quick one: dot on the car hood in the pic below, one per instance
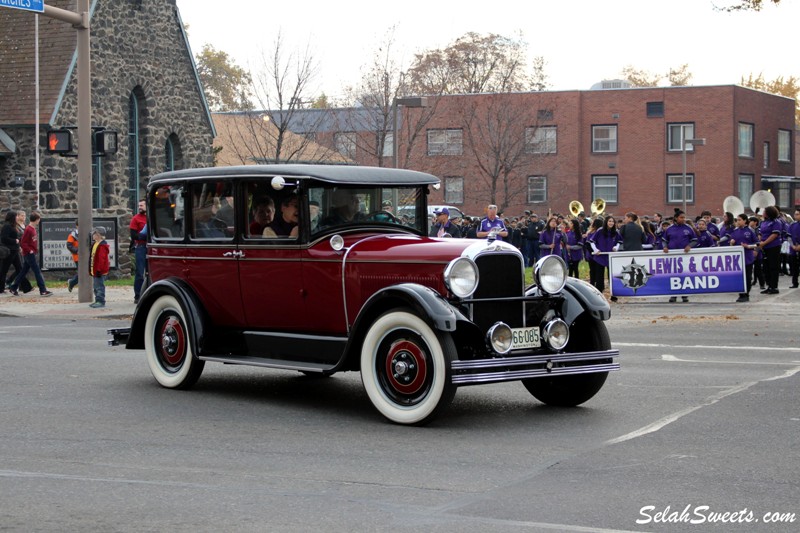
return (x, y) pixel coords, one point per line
(404, 248)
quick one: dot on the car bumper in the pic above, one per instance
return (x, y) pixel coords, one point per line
(498, 369)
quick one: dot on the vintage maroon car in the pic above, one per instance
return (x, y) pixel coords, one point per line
(305, 267)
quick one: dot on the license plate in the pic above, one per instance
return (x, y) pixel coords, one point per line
(525, 338)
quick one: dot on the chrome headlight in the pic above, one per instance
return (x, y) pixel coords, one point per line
(499, 338)
(556, 334)
(550, 274)
(461, 277)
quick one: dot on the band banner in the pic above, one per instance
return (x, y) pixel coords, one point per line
(700, 271)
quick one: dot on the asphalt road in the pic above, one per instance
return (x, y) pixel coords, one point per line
(703, 419)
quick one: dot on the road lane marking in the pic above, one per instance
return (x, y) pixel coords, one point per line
(665, 421)
(672, 358)
(704, 347)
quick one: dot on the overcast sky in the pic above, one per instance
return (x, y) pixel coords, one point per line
(582, 41)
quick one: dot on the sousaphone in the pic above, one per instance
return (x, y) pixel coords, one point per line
(760, 200)
(598, 207)
(733, 205)
(575, 207)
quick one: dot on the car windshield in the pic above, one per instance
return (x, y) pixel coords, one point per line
(348, 206)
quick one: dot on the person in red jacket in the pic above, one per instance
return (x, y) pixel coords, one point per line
(29, 245)
(99, 266)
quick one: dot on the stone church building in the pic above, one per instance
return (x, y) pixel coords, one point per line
(144, 86)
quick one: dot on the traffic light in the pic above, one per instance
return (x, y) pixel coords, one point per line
(105, 142)
(59, 141)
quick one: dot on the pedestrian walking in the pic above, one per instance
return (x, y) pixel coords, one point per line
(743, 235)
(29, 245)
(139, 246)
(9, 248)
(72, 246)
(99, 266)
(771, 229)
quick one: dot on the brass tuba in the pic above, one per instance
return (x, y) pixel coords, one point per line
(575, 208)
(598, 207)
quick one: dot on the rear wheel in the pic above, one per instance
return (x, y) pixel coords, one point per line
(405, 368)
(167, 345)
(587, 335)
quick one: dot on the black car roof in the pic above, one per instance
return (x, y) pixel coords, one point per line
(341, 174)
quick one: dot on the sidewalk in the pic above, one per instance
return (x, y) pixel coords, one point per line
(64, 304)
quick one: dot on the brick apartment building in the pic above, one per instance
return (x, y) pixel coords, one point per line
(541, 150)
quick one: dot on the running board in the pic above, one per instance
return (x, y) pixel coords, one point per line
(270, 363)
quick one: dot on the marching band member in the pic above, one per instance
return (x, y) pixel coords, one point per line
(604, 240)
(679, 236)
(771, 229)
(745, 236)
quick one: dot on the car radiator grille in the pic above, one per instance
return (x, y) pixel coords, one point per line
(501, 276)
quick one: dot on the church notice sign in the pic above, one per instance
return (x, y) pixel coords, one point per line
(27, 5)
(53, 235)
(654, 273)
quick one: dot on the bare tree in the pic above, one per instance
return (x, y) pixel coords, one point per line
(495, 134)
(383, 81)
(281, 89)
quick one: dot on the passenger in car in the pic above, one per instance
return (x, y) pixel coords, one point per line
(344, 208)
(262, 216)
(286, 225)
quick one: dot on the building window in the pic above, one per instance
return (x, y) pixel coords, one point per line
(746, 147)
(544, 114)
(784, 145)
(454, 190)
(766, 155)
(541, 140)
(675, 188)
(745, 189)
(388, 144)
(604, 139)
(655, 109)
(445, 142)
(605, 187)
(345, 143)
(676, 133)
(97, 182)
(537, 189)
(135, 125)
(169, 156)
(783, 194)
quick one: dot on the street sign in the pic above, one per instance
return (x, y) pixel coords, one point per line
(27, 5)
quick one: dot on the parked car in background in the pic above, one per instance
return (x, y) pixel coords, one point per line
(335, 283)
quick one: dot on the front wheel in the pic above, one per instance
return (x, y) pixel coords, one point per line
(167, 345)
(587, 335)
(405, 368)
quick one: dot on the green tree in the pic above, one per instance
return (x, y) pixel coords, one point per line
(676, 77)
(476, 63)
(789, 87)
(748, 5)
(226, 85)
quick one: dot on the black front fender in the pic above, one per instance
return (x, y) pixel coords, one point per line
(191, 306)
(429, 304)
(579, 298)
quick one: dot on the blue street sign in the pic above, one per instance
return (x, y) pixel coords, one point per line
(27, 5)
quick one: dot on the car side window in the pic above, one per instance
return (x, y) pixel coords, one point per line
(213, 210)
(167, 205)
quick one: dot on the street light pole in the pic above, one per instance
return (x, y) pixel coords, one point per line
(687, 142)
(415, 101)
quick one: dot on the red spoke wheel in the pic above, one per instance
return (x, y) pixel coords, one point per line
(405, 368)
(168, 347)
